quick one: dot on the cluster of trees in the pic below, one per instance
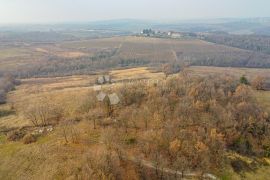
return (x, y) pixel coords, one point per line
(7, 83)
(43, 112)
(185, 123)
(171, 68)
(11, 37)
(250, 42)
(56, 66)
(257, 83)
(148, 32)
(239, 58)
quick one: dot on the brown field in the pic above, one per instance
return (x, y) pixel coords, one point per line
(68, 91)
(152, 48)
(61, 52)
(155, 50)
(250, 73)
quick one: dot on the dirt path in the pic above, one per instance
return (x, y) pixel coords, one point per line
(151, 165)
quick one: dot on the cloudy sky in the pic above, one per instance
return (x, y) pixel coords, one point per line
(44, 11)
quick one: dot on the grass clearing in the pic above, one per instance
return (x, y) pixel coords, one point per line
(263, 98)
(14, 52)
(250, 73)
(10, 148)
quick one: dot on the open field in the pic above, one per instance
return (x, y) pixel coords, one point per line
(264, 98)
(154, 49)
(68, 91)
(89, 56)
(250, 73)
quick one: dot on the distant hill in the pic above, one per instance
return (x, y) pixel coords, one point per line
(259, 26)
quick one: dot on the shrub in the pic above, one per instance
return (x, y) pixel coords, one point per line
(239, 165)
(130, 140)
(259, 83)
(2, 97)
(243, 80)
(29, 138)
(15, 135)
(266, 150)
(242, 146)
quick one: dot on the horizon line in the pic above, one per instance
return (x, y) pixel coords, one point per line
(133, 19)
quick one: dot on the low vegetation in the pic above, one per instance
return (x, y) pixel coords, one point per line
(257, 43)
(91, 56)
(7, 83)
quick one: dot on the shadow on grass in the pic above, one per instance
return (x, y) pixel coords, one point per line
(4, 113)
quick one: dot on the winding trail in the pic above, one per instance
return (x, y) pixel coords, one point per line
(151, 165)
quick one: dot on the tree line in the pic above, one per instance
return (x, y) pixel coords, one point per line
(7, 83)
(256, 43)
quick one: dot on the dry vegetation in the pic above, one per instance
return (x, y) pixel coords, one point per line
(188, 122)
(90, 56)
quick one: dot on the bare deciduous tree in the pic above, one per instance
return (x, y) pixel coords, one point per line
(259, 83)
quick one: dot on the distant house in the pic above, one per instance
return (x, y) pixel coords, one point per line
(101, 96)
(148, 32)
(114, 99)
(176, 35)
(100, 80)
(103, 79)
(107, 78)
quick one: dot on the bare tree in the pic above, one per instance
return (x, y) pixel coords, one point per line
(259, 83)
(43, 112)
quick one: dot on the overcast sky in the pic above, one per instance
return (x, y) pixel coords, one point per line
(44, 11)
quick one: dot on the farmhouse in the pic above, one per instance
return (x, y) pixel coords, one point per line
(103, 79)
(176, 35)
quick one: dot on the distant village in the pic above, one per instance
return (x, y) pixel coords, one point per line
(167, 34)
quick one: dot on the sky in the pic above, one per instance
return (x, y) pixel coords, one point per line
(54, 11)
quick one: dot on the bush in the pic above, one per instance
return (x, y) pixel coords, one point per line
(242, 146)
(130, 140)
(29, 138)
(243, 80)
(266, 150)
(2, 97)
(259, 83)
(15, 135)
(239, 166)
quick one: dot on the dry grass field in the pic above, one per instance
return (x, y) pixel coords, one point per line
(264, 98)
(68, 91)
(250, 73)
(153, 48)
(118, 51)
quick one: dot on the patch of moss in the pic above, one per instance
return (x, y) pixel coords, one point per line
(3, 139)
(129, 140)
(9, 149)
(43, 139)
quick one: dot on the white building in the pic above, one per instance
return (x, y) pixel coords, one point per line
(176, 35)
